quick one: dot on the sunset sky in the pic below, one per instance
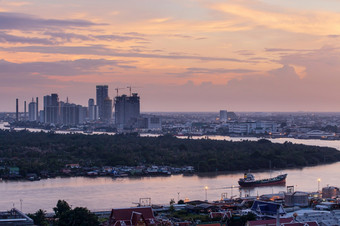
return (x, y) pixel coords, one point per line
(180, 55)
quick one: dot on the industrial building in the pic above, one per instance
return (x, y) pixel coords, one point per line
(15, 217)
(330, 192)
(296, 199)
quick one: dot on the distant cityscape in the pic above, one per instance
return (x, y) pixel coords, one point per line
(97, 114)
(123, 115)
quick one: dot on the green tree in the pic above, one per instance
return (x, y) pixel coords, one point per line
(78, 216)
(39, 217)
(61, 208)
(248, 217)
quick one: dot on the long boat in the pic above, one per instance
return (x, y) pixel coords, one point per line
(249, 180)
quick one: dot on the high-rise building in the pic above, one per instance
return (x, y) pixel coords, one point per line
(223, 116)
(32, 108)
(93, 110)
(17, 110)
(101, 94)
(107, 110)
(37, 109)
(127, 111)
(25, 111)
(42, 116)
(51, 108)
(68, 113)
(72, 114)
(82, 114)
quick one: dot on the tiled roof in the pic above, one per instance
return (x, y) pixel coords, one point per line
(131, 216)
(271, 222)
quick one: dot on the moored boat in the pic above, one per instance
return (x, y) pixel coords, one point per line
(249, 180)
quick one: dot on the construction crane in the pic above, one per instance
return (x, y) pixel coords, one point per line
(117, 89)
(130, 87)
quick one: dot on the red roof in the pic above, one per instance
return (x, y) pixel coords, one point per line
(309, 223)
(271, 222)
(283, 222)
(211, 224)
(183, 223)
(131, 216)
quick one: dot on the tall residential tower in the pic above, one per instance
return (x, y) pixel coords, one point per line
(101, 94)
(32, 108)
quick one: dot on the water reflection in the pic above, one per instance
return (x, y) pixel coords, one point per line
(106, 193)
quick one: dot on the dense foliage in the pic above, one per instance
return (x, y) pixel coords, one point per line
(34, 152)
(39, 218)
(65, 216)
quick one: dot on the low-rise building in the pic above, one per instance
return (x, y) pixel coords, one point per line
(132, 216)
(14, 217)
(296, 199)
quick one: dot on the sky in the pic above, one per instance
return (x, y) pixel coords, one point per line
(179, 55)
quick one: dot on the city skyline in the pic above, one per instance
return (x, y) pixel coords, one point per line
(180, 56)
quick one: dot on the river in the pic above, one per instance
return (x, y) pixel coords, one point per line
(104, 193)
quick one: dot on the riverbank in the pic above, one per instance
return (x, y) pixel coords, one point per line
(99, 193)
(315, 142)
(29, 154)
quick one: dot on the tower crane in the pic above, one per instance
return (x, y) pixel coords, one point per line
(117, 89)
(130, 87)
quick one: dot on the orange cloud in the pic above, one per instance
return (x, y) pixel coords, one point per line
(298, 21)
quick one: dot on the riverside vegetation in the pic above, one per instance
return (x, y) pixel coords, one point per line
(37, 152)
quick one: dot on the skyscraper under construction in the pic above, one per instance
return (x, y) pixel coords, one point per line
(127, 111)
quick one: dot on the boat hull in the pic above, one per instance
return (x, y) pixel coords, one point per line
(281, 179)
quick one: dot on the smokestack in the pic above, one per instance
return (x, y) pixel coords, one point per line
(17, 110)
(37, 110)
(25, 110)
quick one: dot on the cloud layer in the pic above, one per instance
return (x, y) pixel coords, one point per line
(201, 55)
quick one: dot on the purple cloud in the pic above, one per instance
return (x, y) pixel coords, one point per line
(59, 68)
(4, 37)
(218, 70)
(119, 38)
(101, 50)
(67, 36)
(286, 50)
(20, 21)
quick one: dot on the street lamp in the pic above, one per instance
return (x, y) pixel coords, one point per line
(206, 193)
(319, 180)
(232, 188)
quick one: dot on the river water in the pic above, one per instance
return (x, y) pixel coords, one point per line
(104, 193)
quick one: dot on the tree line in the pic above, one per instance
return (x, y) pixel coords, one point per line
(35, 152)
